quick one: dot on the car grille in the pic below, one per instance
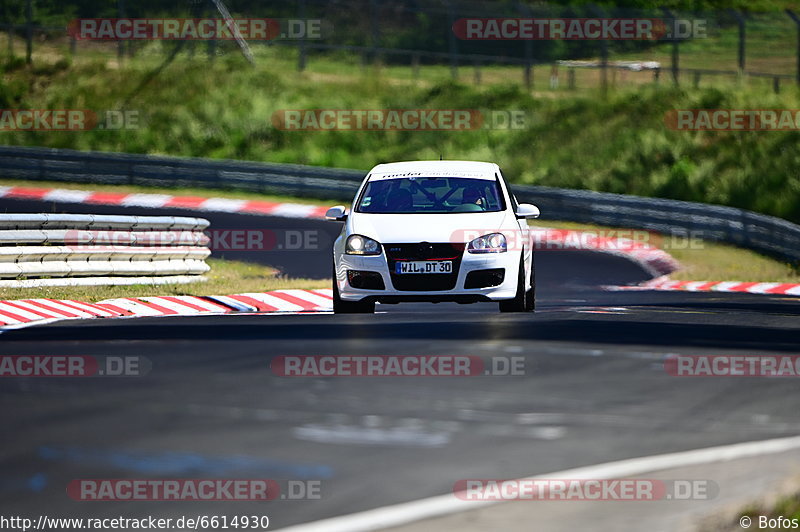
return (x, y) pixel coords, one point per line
(424, 251)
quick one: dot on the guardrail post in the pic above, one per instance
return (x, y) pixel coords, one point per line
(477, 64)
(571, 79)
(776, 85)
(10, 34)
(796, 20)
(415, 66)
(696, 79)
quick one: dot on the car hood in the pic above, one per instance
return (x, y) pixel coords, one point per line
(455, 227)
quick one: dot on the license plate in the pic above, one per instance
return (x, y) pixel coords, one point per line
(424, 266)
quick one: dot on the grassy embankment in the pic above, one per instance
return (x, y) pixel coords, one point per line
(615, 142)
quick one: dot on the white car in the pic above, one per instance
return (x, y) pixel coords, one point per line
(433, 231)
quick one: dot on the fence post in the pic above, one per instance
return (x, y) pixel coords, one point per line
(525, 12)
(603, 51)
(120, 44)
(301, 52)
(415, 66)
(776, 85)
(452, 41)
(741, 22)
(11, 28)
(604, 65)
(675, 50)
(796, 20)
(554, 76)
(477, 64)
(29, 32)
(571, 79)
(696, 79)
(375, 33)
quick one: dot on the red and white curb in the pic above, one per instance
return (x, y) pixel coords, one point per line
(655, 261)
(30, 311)
(154, 201)
(784, 289)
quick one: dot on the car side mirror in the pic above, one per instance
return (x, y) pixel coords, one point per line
(336, 214)
(526, 210)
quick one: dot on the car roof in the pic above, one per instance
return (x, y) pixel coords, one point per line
(465, 169)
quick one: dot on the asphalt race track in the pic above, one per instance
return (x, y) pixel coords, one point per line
(594, 390)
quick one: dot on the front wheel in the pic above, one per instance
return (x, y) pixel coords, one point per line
(341, 306)
(524, 300)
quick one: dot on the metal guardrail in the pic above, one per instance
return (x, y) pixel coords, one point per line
(101, 247)
(765, 234)
(762, 233)
(101, 222)
(147, 170)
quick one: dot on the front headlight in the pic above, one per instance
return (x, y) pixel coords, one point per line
(493, 243)
(361, 245)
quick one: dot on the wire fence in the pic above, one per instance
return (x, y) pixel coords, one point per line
(703, 47)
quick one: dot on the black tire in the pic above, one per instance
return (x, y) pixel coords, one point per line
(524, 300)
(341, 306)
(530, 301)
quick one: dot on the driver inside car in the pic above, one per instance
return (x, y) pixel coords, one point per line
(473, 195)
(399, 200)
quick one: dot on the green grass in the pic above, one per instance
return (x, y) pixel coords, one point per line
(226, 277)
(787, 507)
(614, 142)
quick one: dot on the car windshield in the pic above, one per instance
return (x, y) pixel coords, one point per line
(430, 195)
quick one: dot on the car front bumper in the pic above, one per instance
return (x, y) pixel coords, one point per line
(508, 262)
